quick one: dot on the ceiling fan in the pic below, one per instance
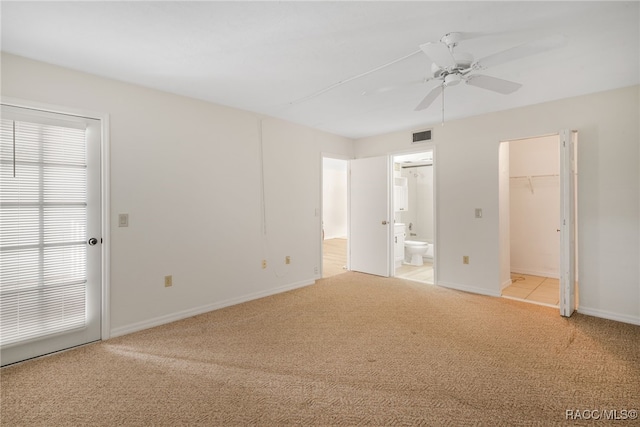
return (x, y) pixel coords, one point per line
(451, 67)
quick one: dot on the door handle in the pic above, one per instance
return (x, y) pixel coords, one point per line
(384, 223)
(92, 241)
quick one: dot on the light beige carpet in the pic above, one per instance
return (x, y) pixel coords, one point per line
(351, 350)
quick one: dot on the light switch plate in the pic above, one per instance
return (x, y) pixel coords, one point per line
(123, 220)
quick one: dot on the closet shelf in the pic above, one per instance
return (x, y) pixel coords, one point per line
(534, 176)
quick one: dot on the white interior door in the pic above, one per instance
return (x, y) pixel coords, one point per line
(370, 221)
(50, 233)
(568, 172)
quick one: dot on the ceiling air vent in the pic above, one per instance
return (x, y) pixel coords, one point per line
(421, 136)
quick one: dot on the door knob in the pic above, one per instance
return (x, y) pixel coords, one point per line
(92, 241)
(384, 223)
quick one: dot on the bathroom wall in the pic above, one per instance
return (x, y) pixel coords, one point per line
(534, 189)
(420, 212)
(211, 191)
(334, 198)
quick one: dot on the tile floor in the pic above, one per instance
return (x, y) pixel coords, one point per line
(541, 290)
(422, 273)
(334, 259)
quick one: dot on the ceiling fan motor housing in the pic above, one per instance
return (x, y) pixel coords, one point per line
(463, 65)
(452, 79)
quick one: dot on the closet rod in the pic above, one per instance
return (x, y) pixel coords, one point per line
(536, 176)
(416, 166)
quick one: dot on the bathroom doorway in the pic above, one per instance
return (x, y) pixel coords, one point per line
(414, 216)
(532, 212)
(334, 234)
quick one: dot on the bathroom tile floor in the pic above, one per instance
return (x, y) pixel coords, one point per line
(422, 273)
(334, 262)
(541, 290)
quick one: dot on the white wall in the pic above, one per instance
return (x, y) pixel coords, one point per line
(608, 194)
(196, 214)
(534, 194)
(188, 173)
(420, 210)
(334, 198)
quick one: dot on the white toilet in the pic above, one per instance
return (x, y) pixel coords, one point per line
(416, 250)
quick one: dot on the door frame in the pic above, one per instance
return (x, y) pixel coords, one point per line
(105, 196)
(415, 150)
(390, 157)
(568, 141)
(568, 203)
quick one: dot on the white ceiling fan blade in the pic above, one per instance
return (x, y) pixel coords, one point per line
(431, 96)
(438, 53)
(468, 35)
(492, 83)
(521, 51)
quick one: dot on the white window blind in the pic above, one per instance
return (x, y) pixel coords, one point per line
(43, 228)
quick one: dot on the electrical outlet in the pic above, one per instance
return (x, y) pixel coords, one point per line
(315, 270)
(168, 281)
(287, 259)
(465, 259)
(264, 263)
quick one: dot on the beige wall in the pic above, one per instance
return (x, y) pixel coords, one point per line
(608, 194)
(189, 175)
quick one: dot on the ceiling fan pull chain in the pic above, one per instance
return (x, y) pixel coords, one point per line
(442, 124)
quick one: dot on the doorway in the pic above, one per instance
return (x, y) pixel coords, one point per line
(376, 245)
(414, 216)
(533, 219)
(334, 215)
(51, 232)
(534, 203)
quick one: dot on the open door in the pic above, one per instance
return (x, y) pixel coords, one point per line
(370, 223)
(568, 150)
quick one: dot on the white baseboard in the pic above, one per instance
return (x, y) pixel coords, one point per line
(506, 284)
(161, 320)
(532, 272)
(634, 320)
(472, 289)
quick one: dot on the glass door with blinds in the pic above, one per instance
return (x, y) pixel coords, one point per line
(50, 232)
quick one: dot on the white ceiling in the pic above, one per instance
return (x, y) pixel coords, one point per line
(267, 56)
